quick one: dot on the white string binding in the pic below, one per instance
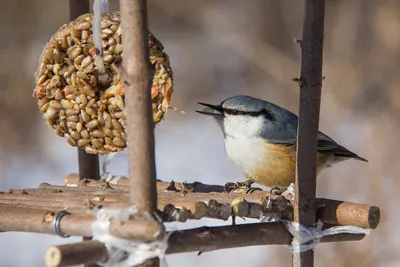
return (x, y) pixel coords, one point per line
(125, 252)
(99, 7)
(305, 239)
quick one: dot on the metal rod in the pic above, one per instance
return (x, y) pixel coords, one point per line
(310, 98)
(88, 165)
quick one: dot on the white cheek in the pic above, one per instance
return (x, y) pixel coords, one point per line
(243, 125)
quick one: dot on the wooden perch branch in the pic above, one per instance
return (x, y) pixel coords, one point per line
(203, 239)
(38, 206)
(14, 218)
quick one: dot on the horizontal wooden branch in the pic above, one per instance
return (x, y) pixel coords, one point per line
(39, 221)
(329, 211)
(202, 239)
(177, 202)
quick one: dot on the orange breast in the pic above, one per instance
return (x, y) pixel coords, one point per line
(278, 167)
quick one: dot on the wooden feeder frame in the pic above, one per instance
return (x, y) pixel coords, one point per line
(34, 210)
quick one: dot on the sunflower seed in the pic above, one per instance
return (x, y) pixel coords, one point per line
(44, 107)
(85, 134)
(91, 102)
(83, 142)
(64, 42)
(105, 24)
(115, 124)
(70, 70)
(43, 101)
(79, 127)
(82, 75)
(71, 112)
(41, 79)
(89, 68)
(78, 60)
(120, 115)
(73, 79)
(86, 61)
(119, 142)
(75, 52)
(83, 26)
(97, 143)
(71, 125)
(58, 95)
(98, 133)
(90, 111)
(70, 140)
(86, 118)
(51, 113)
(76, 33)
(109, 133)
(114, 27)
(59, 132)
(73, 118)
(116, 133)
(55, 81)
(66, 104)
(92, 124)
(55, 104)
(108, 58)
(75, 135)
(108, 141)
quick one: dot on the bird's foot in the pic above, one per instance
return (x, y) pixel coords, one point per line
(276, 191)
(233, 186)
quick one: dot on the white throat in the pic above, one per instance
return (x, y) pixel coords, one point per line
(243, 145)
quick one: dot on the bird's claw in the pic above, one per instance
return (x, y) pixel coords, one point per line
(250, 190)
(276, 191)
(233, 186)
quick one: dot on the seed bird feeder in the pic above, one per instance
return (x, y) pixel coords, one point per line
(105, 101)
(84, 105)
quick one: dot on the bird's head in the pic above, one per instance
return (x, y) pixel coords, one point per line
(243, 115)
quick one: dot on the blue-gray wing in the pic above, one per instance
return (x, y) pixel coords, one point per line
(327, 145)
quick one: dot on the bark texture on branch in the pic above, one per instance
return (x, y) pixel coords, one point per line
(176, 203)
(203, 239)
(310, 99)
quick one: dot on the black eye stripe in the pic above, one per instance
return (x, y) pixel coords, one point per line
(266, 113)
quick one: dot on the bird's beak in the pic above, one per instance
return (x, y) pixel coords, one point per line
(211, 110)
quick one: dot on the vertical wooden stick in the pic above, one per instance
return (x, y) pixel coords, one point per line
(307, 140)
(138, 105)
(140, 125)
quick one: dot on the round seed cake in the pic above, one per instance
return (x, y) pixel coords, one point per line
(81, 104)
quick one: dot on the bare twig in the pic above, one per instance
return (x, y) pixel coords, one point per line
(310, 98)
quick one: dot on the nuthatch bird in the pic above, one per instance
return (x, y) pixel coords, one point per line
(260, 139)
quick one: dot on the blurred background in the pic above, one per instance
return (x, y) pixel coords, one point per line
(219, 49)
